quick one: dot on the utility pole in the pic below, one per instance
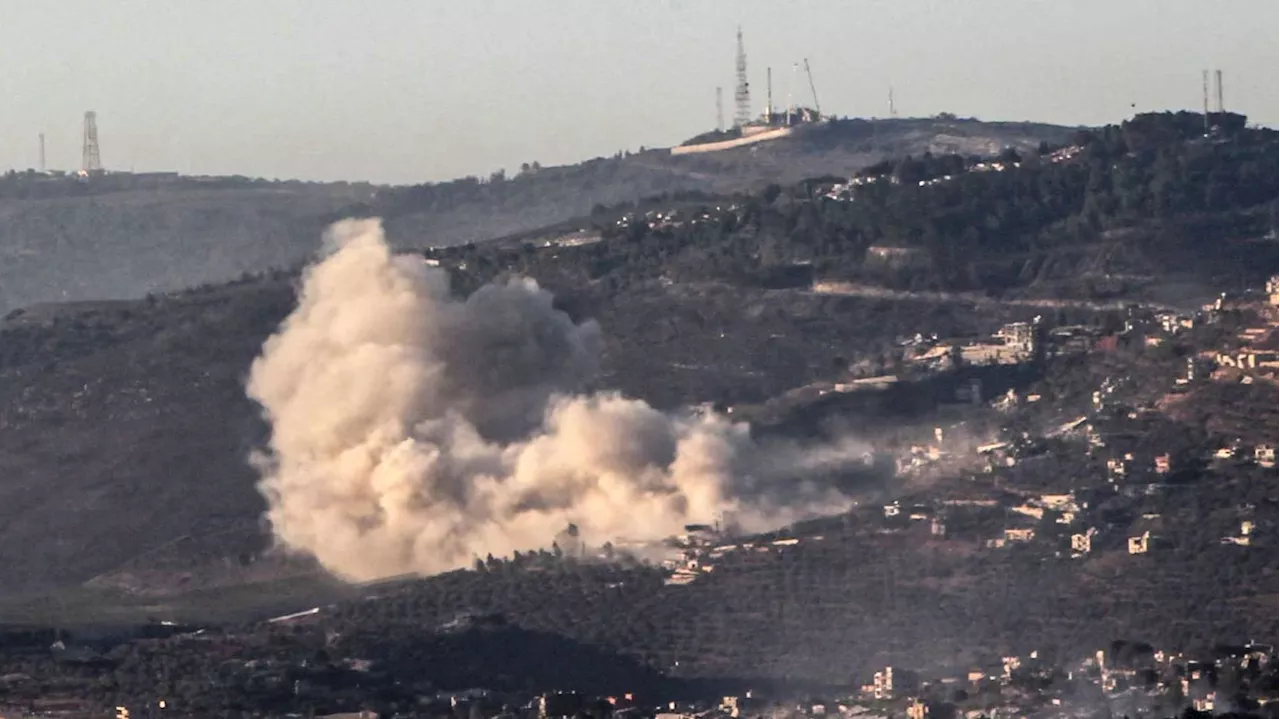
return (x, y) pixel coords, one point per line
(768, 107)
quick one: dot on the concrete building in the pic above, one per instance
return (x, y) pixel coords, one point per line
(1082, 543)
(1019, 535)
(1265, 455)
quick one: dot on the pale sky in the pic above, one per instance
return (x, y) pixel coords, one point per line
(417, 90)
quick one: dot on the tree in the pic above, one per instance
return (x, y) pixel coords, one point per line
(1009, 155)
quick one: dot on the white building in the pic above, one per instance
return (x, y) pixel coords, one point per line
(1265, 455)
(1082, 543)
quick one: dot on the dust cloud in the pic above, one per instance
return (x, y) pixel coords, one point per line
(413, 430)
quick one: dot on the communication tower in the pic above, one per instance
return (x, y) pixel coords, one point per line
(42, 167)
(91, 158)
(768, 87)
(1204, 88)
(742, 95)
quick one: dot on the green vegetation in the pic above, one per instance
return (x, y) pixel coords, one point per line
(1135, 199)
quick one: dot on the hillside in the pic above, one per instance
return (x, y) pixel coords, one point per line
(121, 236)
(957, 571)
(126, 428)
(128, 394)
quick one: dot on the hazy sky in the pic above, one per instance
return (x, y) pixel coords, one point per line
(414, 90)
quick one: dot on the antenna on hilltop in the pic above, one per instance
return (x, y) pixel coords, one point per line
(91, 158)
(1204, 88)
(742, 95)
(791, 105)
(893, 111)
(1218, 76)
(817, 109)
(42, 167)
(768, 105)
(719, 109)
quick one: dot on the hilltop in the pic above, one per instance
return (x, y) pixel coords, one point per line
(124, 236)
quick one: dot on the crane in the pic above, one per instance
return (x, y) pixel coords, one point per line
(816, 107)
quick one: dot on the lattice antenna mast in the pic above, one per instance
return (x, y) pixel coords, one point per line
(742, 95)
(768, 91)
(1218, 76)
(1204, 88)
(42, 165)
(91, 158)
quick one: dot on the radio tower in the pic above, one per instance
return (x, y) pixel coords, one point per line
(91, 159)
(742, 96)
(1204, 86)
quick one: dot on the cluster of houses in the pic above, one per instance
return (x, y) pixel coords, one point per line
(1126, 468)
(1119, 678)
(671, 219)
(695, 553)
(1111, 432)
(1254, 359)
(1127, 676)
(1014, 343)
(844, 191)
(1124, 676)
(1251, 355)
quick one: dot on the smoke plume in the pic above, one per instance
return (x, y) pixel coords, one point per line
(413, 431)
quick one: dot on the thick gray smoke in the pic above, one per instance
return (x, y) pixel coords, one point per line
(413, 431)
